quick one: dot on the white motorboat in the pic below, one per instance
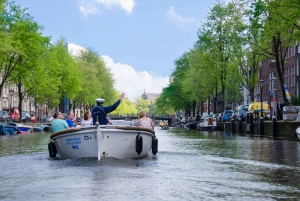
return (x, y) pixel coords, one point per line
(115, 141)
(208, 124)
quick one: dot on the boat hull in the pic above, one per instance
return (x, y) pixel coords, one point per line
(209, 128)
(24, 129)
(8, 129)
(208, 124)
(112, 142)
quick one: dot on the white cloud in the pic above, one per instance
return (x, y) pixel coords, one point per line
(178, 19)
(134, 83)
(125, 4)
(75, 49)
(127, 79)
(90, 8)
(87, 8)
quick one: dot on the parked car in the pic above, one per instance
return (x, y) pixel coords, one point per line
(3, 116)
(33, 118)
(241, 112)
(15, 114)
(25, 116)
(226, 115)
(256, 109)
(216, 115)
(47, 118)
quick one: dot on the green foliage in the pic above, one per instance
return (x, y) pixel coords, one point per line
(142, 104)
(295, 101)
(126, 106)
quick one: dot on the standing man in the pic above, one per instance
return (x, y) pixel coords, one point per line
(70, 120)
(58, 123)
(100, 111)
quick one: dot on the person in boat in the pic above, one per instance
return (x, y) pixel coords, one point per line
(70, 120)
(144, 121)
(100, 111)
(58, 123)
(87, 119)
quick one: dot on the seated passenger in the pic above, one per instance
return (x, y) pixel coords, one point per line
(144, 121)
(58, 123)
(87, 119)
(70, 119)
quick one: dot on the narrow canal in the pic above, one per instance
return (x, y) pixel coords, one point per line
(190, 165)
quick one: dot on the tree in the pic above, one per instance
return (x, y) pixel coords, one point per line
(26, 48)
(222, 36)
(275, 35)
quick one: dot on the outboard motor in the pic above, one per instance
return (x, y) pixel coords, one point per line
(52, 149)
(139, 144)
(154, 145)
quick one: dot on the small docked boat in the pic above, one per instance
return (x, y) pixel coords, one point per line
(208, 124)
(122, 142)
(38, 129)
(8, 128)
(24, 129)
(165, 127)
(192, 125)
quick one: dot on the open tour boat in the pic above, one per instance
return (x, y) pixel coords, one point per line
(117, 141)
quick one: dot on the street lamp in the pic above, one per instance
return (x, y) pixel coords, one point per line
(261, 103)
(11, 93)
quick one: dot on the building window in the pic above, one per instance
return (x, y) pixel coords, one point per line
(286, 77)
(287, 54)
(292, 51)
(292, 76)
(272, 79)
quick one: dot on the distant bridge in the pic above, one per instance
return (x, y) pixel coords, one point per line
(130, 118)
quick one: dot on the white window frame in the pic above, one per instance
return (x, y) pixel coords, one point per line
(292, 77)
(286, 76)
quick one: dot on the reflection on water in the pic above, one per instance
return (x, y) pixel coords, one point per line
(190, 165)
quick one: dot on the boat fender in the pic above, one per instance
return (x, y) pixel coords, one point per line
(139, 144)
(52, 149)
(154, 145)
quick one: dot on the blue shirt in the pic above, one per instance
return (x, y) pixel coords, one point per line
(70, 123)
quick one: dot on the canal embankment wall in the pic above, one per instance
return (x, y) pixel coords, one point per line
(285, 129)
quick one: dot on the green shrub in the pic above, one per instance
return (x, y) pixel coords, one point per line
(295, 101)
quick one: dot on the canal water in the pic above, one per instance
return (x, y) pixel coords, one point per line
(190, 165)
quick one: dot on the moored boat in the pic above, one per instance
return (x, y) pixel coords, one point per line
(39, 128)
(208, 124)
(24, 129)
(192, 125)
(8, 128)
(103, 141)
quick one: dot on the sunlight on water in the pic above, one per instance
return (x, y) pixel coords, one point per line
(190, 165)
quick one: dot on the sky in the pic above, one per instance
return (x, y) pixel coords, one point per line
(138, 39)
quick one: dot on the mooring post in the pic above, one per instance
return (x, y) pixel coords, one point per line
(232, 126)
(251, 125)
(247, 122)
(274, 126)
(261, 126)
(240, 126)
